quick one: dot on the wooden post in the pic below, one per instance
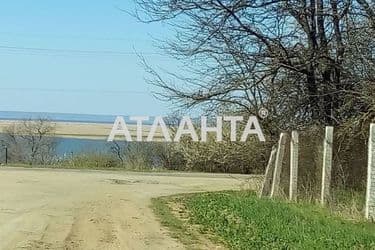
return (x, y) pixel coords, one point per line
(266, 187)
(327, 165)
(278, 165)
(293, 166)
(370, 191)
(6, 155)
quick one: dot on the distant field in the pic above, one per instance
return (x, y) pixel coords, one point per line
(86, 130)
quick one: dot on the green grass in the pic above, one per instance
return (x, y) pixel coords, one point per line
(178, 228)
(244, 221)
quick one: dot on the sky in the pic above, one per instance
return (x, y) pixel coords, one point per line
(78, 57)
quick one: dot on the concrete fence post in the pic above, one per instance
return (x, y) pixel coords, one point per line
(278, 165)
(327, 165)
(370, 191)
(293, 166)
(266, 187)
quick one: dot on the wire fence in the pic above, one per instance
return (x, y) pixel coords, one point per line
(349, 163)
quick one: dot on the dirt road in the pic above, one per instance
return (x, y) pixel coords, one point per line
(81, 209)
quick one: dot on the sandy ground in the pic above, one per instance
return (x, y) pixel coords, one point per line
(82, 209)
(88, 130)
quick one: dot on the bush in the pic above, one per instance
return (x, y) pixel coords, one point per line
(223, 157)
(91, 160)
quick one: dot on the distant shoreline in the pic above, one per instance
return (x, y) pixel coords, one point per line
(84, 130)
(65, 117)
(70, 121)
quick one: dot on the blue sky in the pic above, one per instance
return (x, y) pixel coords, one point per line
(66, 80)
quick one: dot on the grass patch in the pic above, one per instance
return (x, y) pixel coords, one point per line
(348, 203)
(244, 221)
(173, 214)
(178, 228)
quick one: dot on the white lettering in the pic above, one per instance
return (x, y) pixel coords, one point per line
(253, 121)
(186, 121)
(139, 120)
(233, 125)
(218, 129)
(159, 122)
(119, 128)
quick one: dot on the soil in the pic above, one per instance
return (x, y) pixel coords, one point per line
(88, 209)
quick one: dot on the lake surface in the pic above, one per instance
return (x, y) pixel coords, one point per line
(67, 146)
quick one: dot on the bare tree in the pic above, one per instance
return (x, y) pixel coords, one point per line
(118, 149)
(307, 61)
(30, 141)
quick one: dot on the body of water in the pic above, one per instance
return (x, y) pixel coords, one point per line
(68, 146)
